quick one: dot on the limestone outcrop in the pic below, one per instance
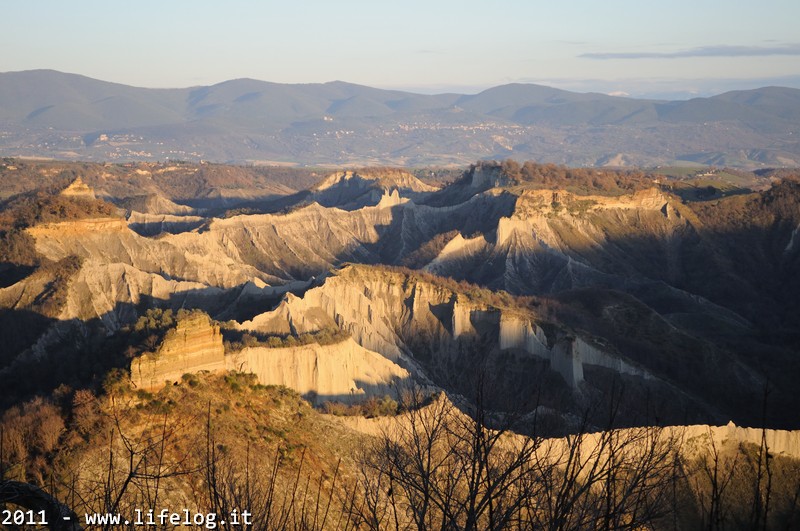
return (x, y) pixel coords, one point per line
(110, 241)
(393, 313)
(680, 299)
(78, 189)
(350, 190)
(342, 371)
(194, 345)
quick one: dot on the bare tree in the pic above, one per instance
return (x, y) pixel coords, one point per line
(277, 496)
(439, 468)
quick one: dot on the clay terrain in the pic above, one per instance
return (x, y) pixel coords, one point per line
(543, 301)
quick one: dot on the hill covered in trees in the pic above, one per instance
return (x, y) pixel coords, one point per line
(52, 114)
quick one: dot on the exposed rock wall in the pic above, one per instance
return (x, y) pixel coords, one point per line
(111, 292)
(482, 178)
(155, 203)
(80, 227)
(343, 371)
(793, 240)
(78, 190)
(516, 332)
(691, 439)
(371, 311)
(153, 224)
(194, 345)
(388, 313)
(383, 312)
(555, 240)
(567, 357)
(588, 354)
(293, 246)
(110, 241)
(782, 442)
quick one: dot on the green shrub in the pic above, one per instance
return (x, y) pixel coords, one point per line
(141, 394)
(190, 379)
(117, 381)
(370, 408)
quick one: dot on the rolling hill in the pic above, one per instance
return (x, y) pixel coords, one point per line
(52, 114)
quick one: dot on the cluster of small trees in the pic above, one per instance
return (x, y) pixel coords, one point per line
(435, 466)
(369, 408)
(552, 176)
(43, 207)
(445, 469)
(151, 328)
(17, 247)
(237, 340)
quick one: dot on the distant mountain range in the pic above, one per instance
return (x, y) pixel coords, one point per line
(51, 114)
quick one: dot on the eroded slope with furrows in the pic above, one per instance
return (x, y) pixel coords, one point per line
(451, 335)
(673, 297)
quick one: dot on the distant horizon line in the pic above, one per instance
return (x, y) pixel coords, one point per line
(613, 87)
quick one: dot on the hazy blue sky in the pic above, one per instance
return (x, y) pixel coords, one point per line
(639, 47)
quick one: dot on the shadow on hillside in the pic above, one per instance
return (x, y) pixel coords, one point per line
(40, 353)
(713, 312)
(19, 329)
(11, 273)
(155, 228)
(67, 353)
(362, 391)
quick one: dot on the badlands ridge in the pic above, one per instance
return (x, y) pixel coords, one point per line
(551, 297)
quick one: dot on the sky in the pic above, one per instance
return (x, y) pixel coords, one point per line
(652, 48)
